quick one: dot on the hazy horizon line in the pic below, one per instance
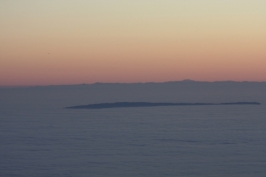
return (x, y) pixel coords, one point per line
(151, 82)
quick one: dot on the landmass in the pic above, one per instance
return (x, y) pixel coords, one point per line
(150, 104)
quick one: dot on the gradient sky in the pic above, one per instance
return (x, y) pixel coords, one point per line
(85, 41)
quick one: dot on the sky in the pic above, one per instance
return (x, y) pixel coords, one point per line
(56, 42)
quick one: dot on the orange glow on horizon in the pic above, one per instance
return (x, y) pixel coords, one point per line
(131, 42)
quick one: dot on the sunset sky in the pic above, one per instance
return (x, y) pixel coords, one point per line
(53, 42)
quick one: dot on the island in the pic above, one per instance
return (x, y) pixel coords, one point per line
(151, 104)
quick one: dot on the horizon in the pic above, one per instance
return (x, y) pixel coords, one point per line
(163, 82)
(73, 42)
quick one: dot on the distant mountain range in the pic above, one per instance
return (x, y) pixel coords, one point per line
(187, 91)
(185, 81)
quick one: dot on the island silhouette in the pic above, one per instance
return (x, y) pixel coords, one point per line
(151, 104)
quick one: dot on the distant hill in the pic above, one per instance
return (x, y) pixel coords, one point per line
(149, 104)
(186, 91)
